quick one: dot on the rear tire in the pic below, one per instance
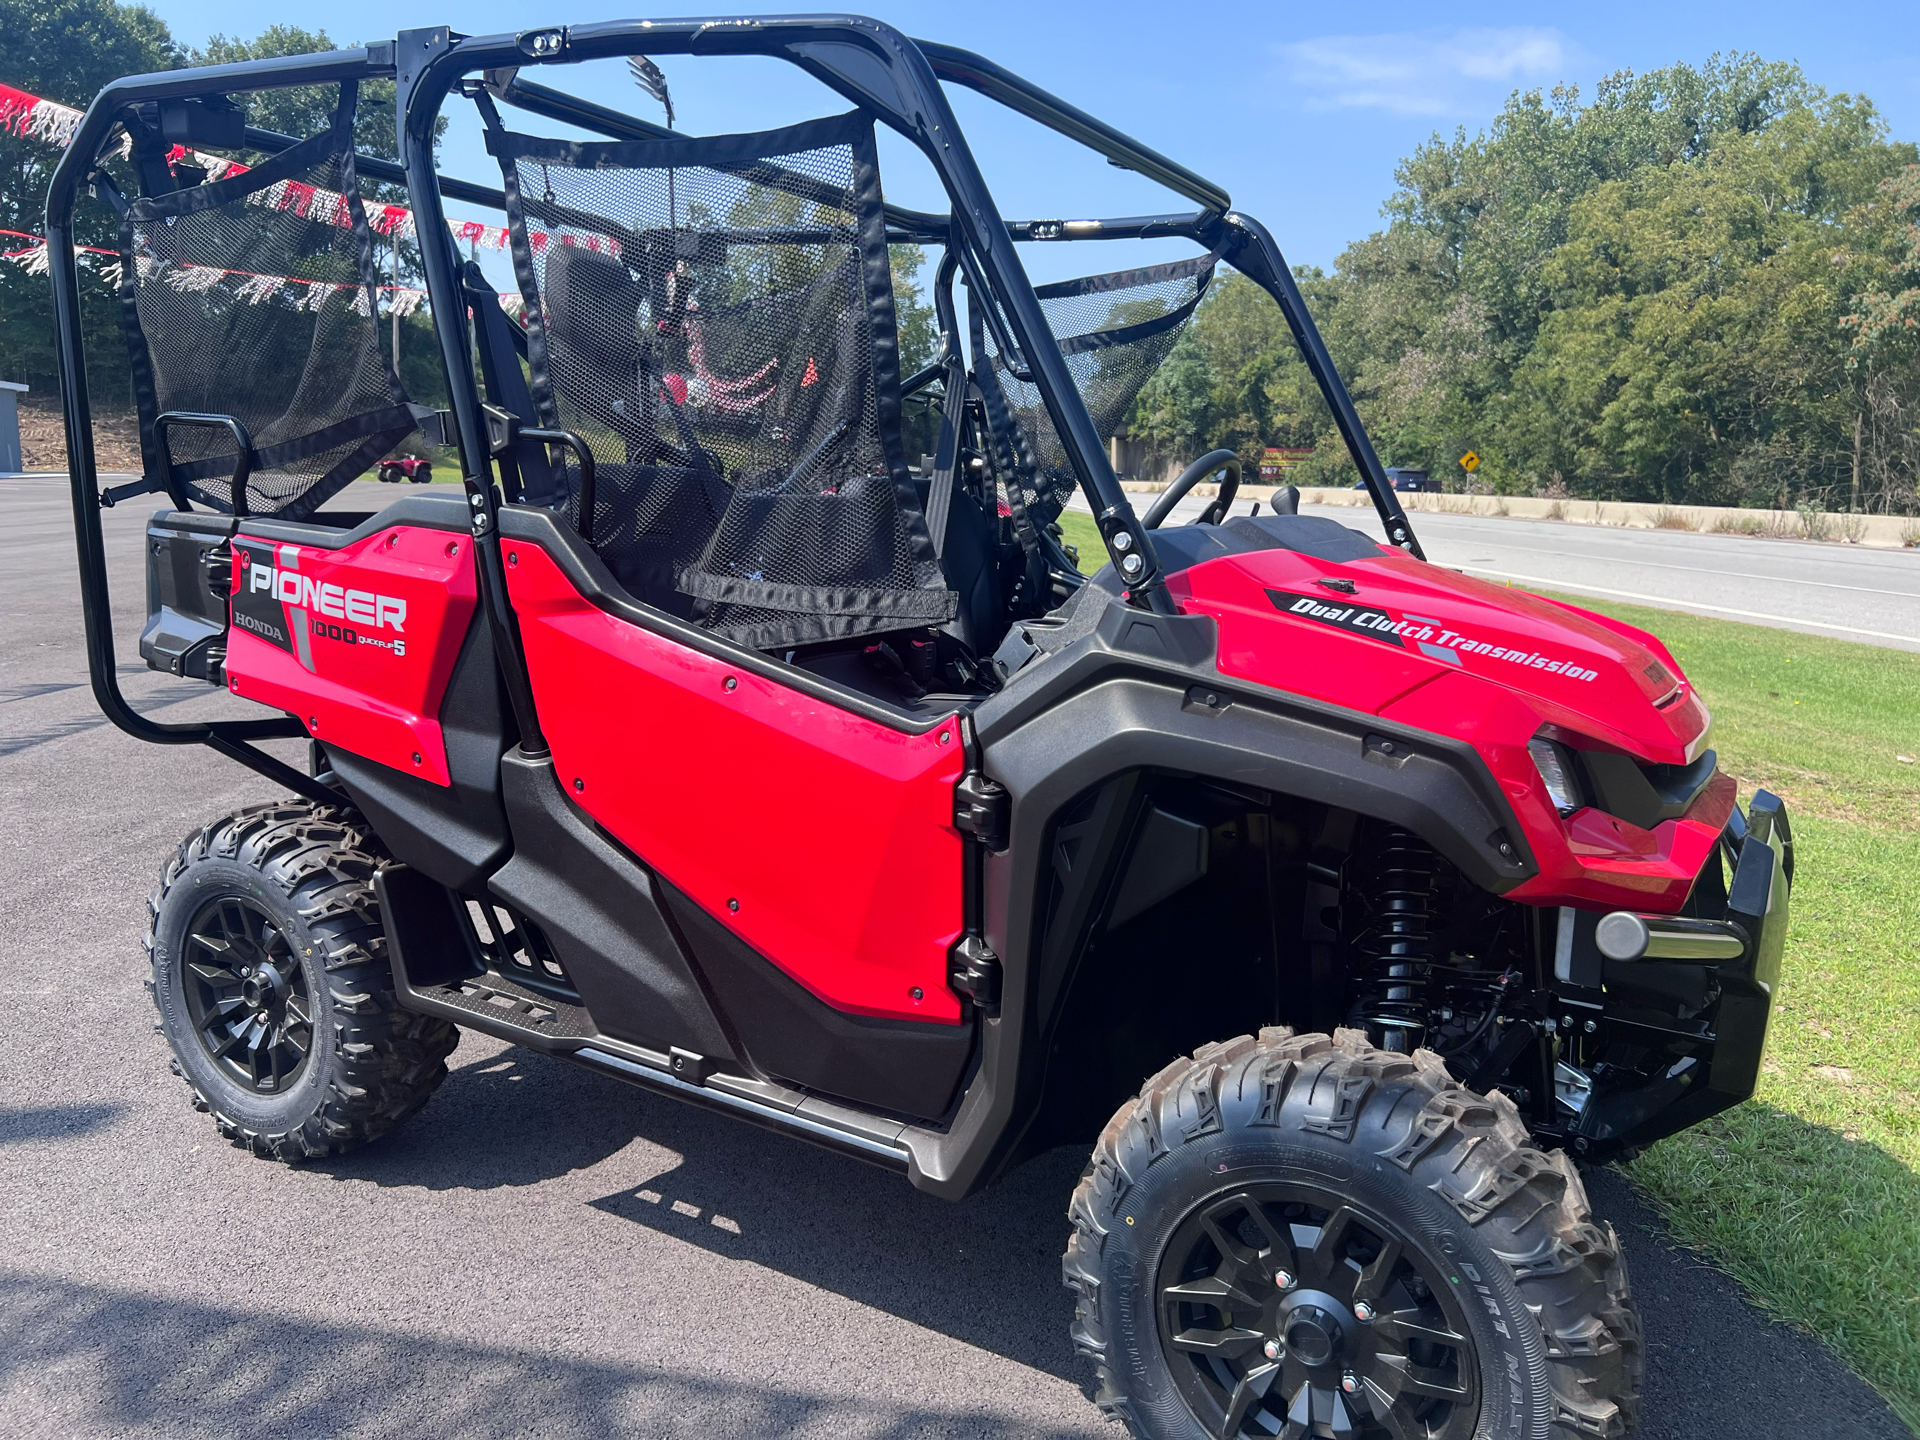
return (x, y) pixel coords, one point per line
(423, 475)
(270, 973)
(1273, 1173)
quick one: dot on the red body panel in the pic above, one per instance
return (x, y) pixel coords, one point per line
(359, 643)
(823, 839)
(1442, 652)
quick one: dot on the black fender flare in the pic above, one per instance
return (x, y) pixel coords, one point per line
(1139, 692)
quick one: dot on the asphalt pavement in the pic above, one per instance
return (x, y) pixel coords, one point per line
(541, 1251)
(1849, 592)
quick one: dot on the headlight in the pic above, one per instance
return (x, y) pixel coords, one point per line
(1556, 766)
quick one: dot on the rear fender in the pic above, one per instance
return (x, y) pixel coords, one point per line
(356, 634)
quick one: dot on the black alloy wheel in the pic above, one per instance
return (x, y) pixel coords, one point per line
(269, 969)
(246, 995)
(1296, 1235)
(1289, 1311)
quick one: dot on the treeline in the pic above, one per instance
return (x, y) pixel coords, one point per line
(1702, 287)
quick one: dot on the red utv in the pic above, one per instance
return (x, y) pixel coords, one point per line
(1339, 902)
(397, 468)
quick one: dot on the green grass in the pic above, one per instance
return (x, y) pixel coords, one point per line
(1810, 1193)
(1082, 533)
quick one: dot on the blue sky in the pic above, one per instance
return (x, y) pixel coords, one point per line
(1300, 111)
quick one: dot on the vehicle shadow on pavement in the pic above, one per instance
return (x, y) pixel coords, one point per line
(502, 1119)
(95, 1360)
(54, 1122)
(985, 1271)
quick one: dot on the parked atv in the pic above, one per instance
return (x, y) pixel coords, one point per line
(406, 467)
(1339, 902)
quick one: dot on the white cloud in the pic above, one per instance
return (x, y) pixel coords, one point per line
(1423, 72)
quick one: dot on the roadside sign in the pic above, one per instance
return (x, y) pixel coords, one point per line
(1276, 460)
(1470, 462)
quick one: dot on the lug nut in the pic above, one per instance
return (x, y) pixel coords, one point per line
(1272, 1349)
(1283, 1278)
(1350, 1382)
(1363, 1312)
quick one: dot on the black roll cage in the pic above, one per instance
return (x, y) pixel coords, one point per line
(891, 77)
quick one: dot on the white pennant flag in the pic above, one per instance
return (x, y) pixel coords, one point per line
(259, 289)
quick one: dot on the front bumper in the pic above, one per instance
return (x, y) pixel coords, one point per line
(1665, 1038)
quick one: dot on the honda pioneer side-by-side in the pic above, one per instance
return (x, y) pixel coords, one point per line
(742, 727)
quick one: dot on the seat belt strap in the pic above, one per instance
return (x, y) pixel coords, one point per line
(946, 457)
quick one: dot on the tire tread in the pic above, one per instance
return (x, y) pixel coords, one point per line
(1565, 1264)
(387, 1061)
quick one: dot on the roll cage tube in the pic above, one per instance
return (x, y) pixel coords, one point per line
(871, 64)
(112, 106)
(1251, 251)
(1249, 247)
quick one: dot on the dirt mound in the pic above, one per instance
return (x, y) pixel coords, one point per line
(43, 437)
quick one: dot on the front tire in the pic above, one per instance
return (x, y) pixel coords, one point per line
(269, 970)
(1298, 1235)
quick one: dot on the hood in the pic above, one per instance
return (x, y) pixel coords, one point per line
(1348, 621)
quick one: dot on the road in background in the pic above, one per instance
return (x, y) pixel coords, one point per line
(542, 1250)
(1846, 591)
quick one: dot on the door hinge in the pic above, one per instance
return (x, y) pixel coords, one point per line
(973, 970)
(980, 809)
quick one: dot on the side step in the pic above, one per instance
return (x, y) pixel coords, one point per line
(497, 1006)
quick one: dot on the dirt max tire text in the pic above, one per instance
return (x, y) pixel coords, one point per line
(1551, 1342)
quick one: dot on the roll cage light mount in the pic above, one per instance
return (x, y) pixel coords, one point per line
(893, 78)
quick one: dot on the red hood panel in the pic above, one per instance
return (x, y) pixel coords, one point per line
(1406, 622)
(1450, 655)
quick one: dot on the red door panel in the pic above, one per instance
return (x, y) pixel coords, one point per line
(823, 839)
(358, 642)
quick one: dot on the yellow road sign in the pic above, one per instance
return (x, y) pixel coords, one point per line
(1470, 462)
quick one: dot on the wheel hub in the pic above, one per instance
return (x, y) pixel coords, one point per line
(1316, 1329)
(264, 986)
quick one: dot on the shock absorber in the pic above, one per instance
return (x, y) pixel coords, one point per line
(1395, 883)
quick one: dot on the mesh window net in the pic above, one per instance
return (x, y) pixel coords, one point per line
(714, 317)
(1114, 330)
(253, 297)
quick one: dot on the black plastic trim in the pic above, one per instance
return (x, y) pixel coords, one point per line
(1119, 699)
(905, 1066)
(454, 834)
(431, 961)
(1641, 794)
(600, 910)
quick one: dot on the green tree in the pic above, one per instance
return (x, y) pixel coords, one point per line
(1882, 263)
(913, 313)
(65, 51)
(1702, 286)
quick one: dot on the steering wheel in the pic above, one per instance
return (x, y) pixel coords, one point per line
(1191, 476)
